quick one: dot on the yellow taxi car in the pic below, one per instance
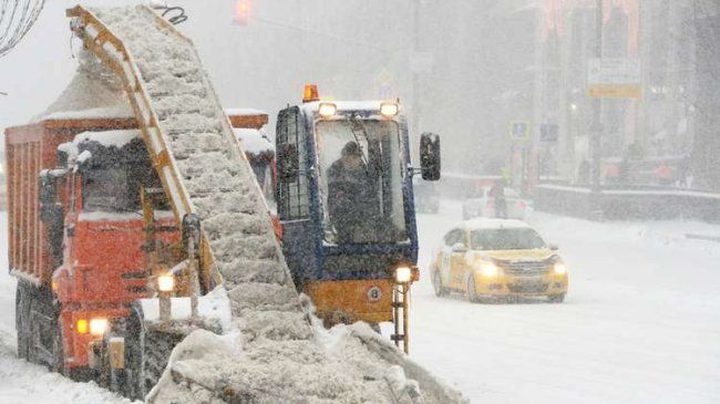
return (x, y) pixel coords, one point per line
(487, 258)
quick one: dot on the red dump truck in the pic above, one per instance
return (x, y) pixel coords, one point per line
(83, 235)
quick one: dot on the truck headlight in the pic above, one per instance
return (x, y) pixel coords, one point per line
(327, 109)
(389, 109)
(489, 270)
(559, 268)
(166, 283)
(98, 326)
(403, 274)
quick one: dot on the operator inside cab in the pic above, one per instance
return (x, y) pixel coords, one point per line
(352, 197)
(362, 183)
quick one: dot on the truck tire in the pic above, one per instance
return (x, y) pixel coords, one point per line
(58, 364)
(22, 319)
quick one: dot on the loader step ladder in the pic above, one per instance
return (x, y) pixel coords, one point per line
(401, 311)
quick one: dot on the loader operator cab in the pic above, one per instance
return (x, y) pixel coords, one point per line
(345, 201)
(360, 182)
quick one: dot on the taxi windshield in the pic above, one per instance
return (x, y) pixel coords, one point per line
(505, 239)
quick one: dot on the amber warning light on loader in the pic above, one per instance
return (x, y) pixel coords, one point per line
(311, 93)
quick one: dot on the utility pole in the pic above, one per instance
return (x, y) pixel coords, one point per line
(597, 126)
(415, 116)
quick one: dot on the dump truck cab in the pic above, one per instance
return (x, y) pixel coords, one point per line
(345, 201)
(92, 206)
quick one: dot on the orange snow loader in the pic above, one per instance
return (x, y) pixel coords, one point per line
(91, 235)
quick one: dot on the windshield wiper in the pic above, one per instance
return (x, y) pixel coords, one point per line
(355, 124)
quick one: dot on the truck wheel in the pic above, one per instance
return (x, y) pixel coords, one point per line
(58, 364)
(22, 320)
(437, 285)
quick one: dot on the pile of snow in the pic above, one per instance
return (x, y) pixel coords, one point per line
(347, 364)
(253, 141)
(109, 138)
(244, 112)
(95, 92)
(111, 112)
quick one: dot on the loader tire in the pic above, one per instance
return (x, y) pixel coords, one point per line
(158, 347)
(135, 385)
(147, 354)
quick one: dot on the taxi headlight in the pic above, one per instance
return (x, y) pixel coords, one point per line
(559, 268)
(389, 109)
(327, 109)
(489, 270)
(403, 274)
(166, 283)
(98, 326)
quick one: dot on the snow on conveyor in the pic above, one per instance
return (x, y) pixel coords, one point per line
(272, 354)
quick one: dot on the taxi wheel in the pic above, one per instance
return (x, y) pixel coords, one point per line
(556, 298)
(440, 291)
(470, 291)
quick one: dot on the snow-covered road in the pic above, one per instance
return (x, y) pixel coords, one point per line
(641, 323)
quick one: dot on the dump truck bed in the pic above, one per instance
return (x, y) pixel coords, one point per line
(30, 149)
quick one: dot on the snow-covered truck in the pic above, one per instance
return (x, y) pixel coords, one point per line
(81, 252)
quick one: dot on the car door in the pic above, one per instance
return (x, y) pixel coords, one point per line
(458, 249)
(445, 258)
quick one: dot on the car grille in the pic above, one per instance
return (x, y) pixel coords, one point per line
(530, 287)
(524, 268)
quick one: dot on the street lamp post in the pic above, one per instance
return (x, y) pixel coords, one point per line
(597, 127)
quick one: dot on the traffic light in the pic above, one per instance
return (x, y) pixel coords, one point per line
(242, 11)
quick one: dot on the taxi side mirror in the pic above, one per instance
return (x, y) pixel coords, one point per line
(553, 247)
(459, 248)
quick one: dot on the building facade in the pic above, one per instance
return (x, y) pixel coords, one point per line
(666, 137)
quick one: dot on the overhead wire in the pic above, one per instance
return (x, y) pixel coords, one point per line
(22, 17)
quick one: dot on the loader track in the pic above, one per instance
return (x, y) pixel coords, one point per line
(204, 171)
(201, 164)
